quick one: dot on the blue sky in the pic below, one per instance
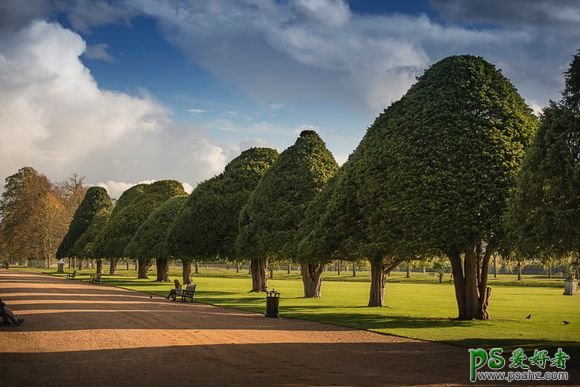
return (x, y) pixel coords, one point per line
(138, 90)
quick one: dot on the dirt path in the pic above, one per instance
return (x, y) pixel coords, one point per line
(78, 334)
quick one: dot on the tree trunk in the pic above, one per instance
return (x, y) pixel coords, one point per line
(259, 270)
(99, 266)
(471, 288)
(186, 263)
(143, 267)
(271, 273)
(549, 269)
(377, 295)
(311, 279)
(519, 267)
(162, 265)
(237, 267)
(338, 267)
(494, 266)
(69, 262)
(458, 282)
(441, 277)
(470, 280)
(408, 269)
(127, 262)
(113, 267)
(289, 268)
(354, 269)
(80, 262)
(196, 267)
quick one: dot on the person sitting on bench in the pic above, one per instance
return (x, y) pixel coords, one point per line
(173, 293)
(8, 315)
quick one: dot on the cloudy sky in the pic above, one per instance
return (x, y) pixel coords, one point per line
(139, 90)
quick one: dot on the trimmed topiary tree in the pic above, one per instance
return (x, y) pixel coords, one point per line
(95, 201)
(271, 218)
(104, 246)
(207, 225)
(125, 222)
(150, 241)
(434, 170)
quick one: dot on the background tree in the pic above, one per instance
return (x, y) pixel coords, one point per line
(545, 207)
(85, 245)
(434, 170)
(106, 244)
(124, 224)
(271, 218)
(33, 217)
(313, 249)
(95, 204)
(95, 199)
(150, 240)
(207, 225)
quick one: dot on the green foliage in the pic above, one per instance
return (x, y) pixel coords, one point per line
(270, 220)
(125, 221)
(85, 245)
(95, 202)
(207, 226)
(433, 172)
(150, 241)
(545, 208)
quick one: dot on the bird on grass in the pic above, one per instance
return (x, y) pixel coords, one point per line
(529, 316)
(566, 322)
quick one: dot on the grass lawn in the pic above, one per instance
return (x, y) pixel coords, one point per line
(417, 308)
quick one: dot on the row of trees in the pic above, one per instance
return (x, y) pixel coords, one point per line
(436, 175)
(35, 214)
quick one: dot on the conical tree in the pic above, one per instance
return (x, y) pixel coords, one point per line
(105, 246)
(96, 199)
(207, 226)
(124, 224)
(150, 241)
(545, 208)
(271, 218)
(434, 170)
(85, 245)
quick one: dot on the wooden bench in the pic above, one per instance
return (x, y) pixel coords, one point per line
(188, 293)
(71, 275)
(95, 278)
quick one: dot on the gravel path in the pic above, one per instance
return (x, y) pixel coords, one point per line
(77, 334)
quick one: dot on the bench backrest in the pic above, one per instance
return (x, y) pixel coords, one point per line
(190, 288)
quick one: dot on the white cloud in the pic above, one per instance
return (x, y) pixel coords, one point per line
(196, 111)
(55, 118)
(99, 52)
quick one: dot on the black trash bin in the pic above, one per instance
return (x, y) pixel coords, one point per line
(272, 303)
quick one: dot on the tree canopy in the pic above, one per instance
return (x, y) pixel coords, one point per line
(545, 208)
(433, 172)
(271, 217)
(150, 240)
(125, 221)
(35, 213)
(207, 226)
(95, 202)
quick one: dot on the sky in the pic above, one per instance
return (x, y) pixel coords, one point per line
(131, 91)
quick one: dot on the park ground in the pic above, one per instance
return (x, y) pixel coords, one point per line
(95, 334)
